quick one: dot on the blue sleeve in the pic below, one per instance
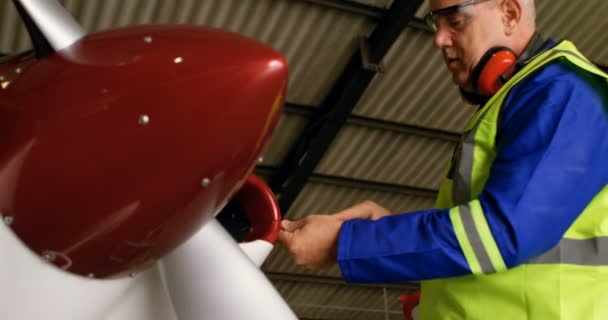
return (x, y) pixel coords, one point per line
(552, 150)
(405, 247)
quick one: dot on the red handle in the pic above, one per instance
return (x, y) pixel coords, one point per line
(261, 208)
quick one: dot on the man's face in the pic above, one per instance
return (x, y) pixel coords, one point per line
(464, 35)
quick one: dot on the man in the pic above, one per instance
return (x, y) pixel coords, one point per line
(521, 225)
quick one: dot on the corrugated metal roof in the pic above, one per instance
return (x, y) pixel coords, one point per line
(285, 134)
(424, 8)
(326, 198)
(391, 157)
(582, 22)
(279, 261)
(385, 4)
(291, 27)
(416, 88)
(331, 301)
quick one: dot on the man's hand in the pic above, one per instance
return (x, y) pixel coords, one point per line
(312, 242)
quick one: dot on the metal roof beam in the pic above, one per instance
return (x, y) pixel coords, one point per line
(371, 12)
(346, 182)
(307, 111)
(351, 7)
(335, 281)
(327, 121)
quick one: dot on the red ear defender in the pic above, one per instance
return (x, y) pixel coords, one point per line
(495, 67)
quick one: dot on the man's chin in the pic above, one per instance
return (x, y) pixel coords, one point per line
(461, 81)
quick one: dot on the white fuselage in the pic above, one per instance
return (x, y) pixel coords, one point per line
(208, 277)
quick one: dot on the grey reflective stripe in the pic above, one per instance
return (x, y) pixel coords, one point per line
(461, 187)
(473, 235)
(588, 252)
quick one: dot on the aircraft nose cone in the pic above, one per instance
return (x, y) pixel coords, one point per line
(119, 148)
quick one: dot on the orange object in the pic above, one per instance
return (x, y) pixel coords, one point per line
(410, 302)
(501, 63)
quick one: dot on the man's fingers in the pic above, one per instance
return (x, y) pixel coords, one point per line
(350, 214)
(291, 226)
(285, 237)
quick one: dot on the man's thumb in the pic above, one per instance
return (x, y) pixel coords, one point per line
(285, 237)
(291, 226)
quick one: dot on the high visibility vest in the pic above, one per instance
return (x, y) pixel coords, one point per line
(569, 281)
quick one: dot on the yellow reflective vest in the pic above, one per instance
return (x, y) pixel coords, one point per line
(569, 281)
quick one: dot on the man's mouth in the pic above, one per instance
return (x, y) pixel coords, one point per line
(452, 62)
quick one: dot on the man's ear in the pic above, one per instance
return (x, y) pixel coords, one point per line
(511, 15)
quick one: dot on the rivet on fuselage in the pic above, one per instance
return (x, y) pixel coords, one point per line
(8, 220)
(205, 182)
(49, 256)
(148, 39)
(91, 275)
(143, 120)
(178, 60)
(18, 70)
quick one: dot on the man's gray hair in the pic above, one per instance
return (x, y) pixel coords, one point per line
(530, 10)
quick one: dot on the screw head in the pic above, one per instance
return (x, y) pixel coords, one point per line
(8, 220)
(18, 70)
(178, 60)
(148, 39)
(260, 160)
(91, 275)
(143, 120)
(205, 182)
(49, 256)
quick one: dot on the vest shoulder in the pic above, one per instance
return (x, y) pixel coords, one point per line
(560, 75)
(561, 71)
(561, 85)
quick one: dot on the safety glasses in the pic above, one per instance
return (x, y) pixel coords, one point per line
(452, 15)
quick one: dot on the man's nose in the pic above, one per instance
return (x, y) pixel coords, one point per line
(442, 38)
